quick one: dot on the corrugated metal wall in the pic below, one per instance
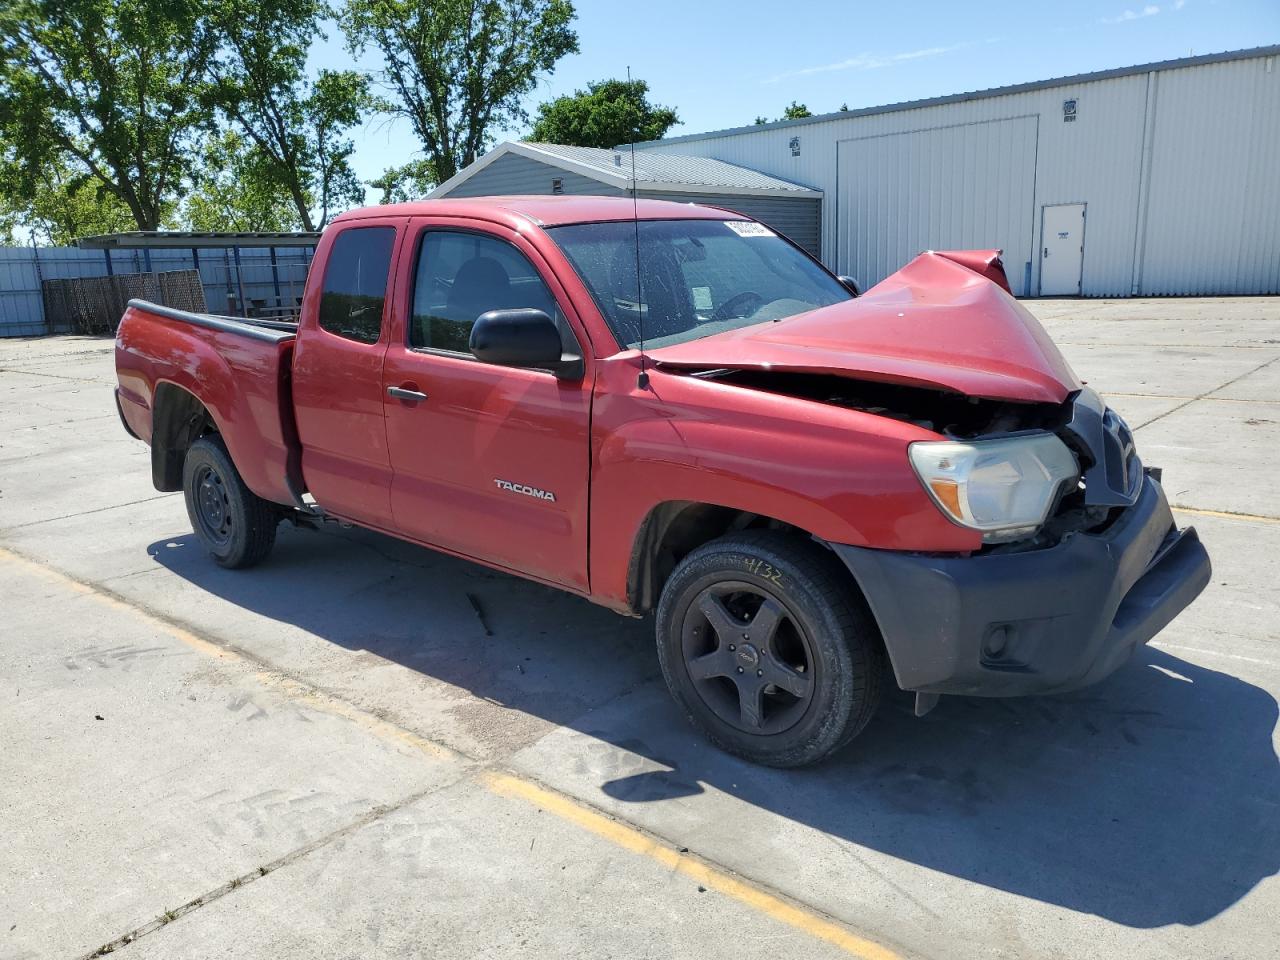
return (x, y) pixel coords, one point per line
(1196, 212)
(798, 217)
(1213, 212)
(897, 202)
(22, 269)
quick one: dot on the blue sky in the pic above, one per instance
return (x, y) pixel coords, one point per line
(720, 64)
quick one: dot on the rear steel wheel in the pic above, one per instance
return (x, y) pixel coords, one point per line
(236, 526)
(212, 506)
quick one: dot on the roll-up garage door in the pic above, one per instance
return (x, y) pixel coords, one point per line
(969, 186)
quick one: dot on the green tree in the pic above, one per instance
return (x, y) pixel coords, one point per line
(298, 126)
(411, 181)
(459, 69)
(65, 205)
(237, 187)
(115, 86)
(797, 111)
(606, 114)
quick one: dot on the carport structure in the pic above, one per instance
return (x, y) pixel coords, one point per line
(150, 240)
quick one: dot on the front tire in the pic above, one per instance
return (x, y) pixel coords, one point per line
(236, 526)
(764, 645)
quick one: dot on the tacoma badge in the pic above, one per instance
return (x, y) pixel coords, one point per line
(527, 490)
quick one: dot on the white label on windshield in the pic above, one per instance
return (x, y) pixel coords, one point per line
(748, 228)
(701, 298)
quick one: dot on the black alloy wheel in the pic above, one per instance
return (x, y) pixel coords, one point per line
(765, 642)
(748, 657)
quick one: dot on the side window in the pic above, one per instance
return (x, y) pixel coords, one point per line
(462, 275)
(355, 283)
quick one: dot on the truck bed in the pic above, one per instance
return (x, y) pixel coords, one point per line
(272, 331)
(238, 369)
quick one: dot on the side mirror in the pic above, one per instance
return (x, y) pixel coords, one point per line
(523, 337)
(851, 285)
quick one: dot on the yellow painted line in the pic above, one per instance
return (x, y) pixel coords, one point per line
(1226, 514)
(1166, 396)
(620, 834)
(634, 841)
(1147, 396)
(1165, 346)
(288, 687)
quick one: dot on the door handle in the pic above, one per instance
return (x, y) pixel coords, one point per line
(403, 393)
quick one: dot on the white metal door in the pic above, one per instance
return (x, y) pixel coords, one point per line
(1061, 250)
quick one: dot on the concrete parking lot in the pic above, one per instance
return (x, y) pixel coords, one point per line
(364, 749)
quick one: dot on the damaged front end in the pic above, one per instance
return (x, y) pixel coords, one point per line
(1025, 453)
(1102, 476)
(1079, 561)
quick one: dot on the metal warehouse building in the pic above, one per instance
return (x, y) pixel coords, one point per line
(1159, 179)
(547, 168)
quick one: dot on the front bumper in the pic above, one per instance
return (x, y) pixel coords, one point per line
(1041, 621)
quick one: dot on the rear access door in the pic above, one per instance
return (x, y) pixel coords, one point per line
(1061, 249)
(337, 371)
(489, 462)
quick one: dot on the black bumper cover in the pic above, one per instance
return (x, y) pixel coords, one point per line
(1041, 621)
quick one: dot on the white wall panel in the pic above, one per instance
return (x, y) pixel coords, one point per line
(1213, 222)
(962, 187)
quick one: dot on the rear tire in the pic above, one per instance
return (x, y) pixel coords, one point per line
(236, 526)
(765, 646)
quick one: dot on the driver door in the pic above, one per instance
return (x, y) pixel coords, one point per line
(489, 462)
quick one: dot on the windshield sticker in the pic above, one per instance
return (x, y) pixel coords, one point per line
(748, 228)
(701, 298)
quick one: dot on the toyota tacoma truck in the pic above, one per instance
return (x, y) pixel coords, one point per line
(672, 409)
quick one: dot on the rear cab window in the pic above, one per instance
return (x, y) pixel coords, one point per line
(355, 283)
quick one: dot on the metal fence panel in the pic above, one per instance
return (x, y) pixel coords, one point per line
(267, 287)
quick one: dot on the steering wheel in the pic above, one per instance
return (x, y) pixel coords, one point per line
(731, 306)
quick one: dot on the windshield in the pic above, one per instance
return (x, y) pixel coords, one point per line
(700, 277)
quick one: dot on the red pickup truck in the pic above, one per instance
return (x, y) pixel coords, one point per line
(671, 408)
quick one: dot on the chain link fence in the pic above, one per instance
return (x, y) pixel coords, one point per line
(94, 305)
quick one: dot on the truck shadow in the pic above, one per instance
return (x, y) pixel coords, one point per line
(1150, 799)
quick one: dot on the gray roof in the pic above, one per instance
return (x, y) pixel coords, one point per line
(653, 170)
(667, 168)
(141, 239)
(1249, 54)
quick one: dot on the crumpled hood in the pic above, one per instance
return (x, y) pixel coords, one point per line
(934, 323)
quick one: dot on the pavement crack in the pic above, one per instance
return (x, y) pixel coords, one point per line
(1205, 395)
(27, 372)
(171, 914)
(82, 513)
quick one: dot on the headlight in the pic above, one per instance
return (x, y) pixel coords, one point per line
(1005, 487)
